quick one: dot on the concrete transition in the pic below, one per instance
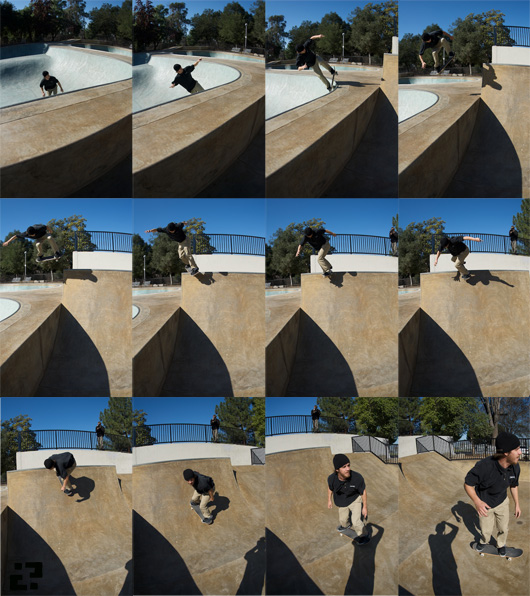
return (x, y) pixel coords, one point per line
(468, 338)
(175, 553)
(437, 525)
(212, 345)
(82, 348)
(305, 553)
(342, 341)
(56, 544)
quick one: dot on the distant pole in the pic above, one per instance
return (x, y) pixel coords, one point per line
(343, 46)
(245, 36)
(144, 269)
(25, 274)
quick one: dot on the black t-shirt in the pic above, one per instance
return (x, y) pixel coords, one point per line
(63, 461)
(345, 492)
(178, 235)
(40, 232)
(215, 423)
(48, 84)
(309, 57)
(491, 480)
(100, 431)
(456, 245)
(203, 484)
(317, 240)
(315, 414)
(514, 235)
(435, 38)
(185, 79)
(393, 236)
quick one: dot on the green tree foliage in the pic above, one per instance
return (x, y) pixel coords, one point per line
(144, 32)
(257, 33)
(332, 27)
(9, 443)
(415, 246)
(409, 50)
(373, 27)
(522, 222)
(117, 419)
(143, 430)
(205, 27)
(449, 416)
(177, 21)
(337, 413)
(235, 415)
(258, 420)
(124, 28)
(409, 416)
(75, 16)
(232, 24)
(275, 35)
(140, 248)
(515, 416)
(377, 416)
(12, 256)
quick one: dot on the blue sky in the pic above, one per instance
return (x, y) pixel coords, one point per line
(488, 216)
(372, 217)
(89, 5)
(161, 410)
(107, 215)
(289, 406)
(415, 15)
(221, 216)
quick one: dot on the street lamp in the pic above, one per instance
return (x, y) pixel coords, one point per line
(144, 269)
(245, 36)
(25, 274)
(343, 46)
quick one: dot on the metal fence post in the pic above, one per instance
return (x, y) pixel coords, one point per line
(55, 432)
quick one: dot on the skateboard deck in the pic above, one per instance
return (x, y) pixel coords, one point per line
(198, 511)
(333, 81)
(451, 59)
(50, 258)
(352, 534)
(489, 549)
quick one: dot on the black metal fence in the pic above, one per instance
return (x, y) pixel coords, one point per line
(490, 242)
(71, 439)
(231, 244)
(283, 425)
(156, 434)
(511, 35)
(360, 244)
(86, 240)
(369, 444)
(459, 450)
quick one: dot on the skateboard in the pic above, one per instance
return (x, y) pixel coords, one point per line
(451, 59)
(349, 532)
(333, 81)
(50, 258)
(489, 549)
(329, 276)
(198, 511)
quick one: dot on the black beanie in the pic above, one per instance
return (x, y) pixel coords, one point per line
(48, 463)
(188, 474)
(506, 442)
(340, 460)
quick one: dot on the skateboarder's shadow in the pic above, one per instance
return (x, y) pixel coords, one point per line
(362, 572)
(219, 504)
(464, 512)
(445, 578)
(206, 279)
(83, 486)
(485, 277)
(337, 279)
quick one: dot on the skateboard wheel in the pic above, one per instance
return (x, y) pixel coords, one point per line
(481, 554)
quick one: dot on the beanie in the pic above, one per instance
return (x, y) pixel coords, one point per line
(340, 460)
(505, 442)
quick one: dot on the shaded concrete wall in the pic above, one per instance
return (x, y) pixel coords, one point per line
(280, 355)
(409, 338)
(481, 261)
(357, 263)
(27, 460)
(407, 446)
(337, 443)
(239, 454)
(389, 82)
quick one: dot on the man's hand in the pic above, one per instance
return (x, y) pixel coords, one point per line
(364, 511)
(482, 508)
(302, 67)
(330, 504)
(171, 86)
(423, 64)
(5, 243)
(435, 262)
(62, 488)
(517, 511)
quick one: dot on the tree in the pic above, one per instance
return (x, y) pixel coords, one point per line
(409, 50)
(298, 35)
(160, 32)
(104, 21)
(415, 246)
(522, 222)
(232, 23)
(12, 261)
(258, 420)
(332, 27)
(75, 16)
(515, 415)
(377, 416)
(235, 416)
(9, 441)
(205, 27)
(117, 420)
(124, 24)
(492, 407)
(274, 36)
(143, 24)
(143, 431)
(447, 415)
(177, 21)
(140, 248)
(409, 416)
(373, 28)
(257, 33)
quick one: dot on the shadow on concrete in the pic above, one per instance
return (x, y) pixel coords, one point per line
(489, 77)
(117, 183)
(441, 367)
(75, 366)
(31, 566)
(207, 279)
(485, 278)
(127, 588)
(362, 572)
(158, 567)
(285, 575)
(197, 369)
(254, 576)
(465, 512)
(221, 504)
(83, 487)
(445, 579)
(83, 274)
(403, 592)
(319, 367)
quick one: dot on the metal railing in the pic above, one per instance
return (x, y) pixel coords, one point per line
(156, 434)
(283, 425)
(490, 242)
(231, 244)
(369, 444)
(70, 439)
(359, 244)
(461, 450)
(511, 35)
(107, 241)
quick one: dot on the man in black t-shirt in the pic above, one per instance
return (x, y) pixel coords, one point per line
(215, 424)
(49, 84)
(203, 492)
(175, 232)
(185, 79)
(393, 235)
(487, 485)
(514, 235)
(459, 251)
(63, 464)
(320, 243)
(315, 415)
(435, 40)
(100, 434)
(307, 59)
(37, 232)
(349, 494)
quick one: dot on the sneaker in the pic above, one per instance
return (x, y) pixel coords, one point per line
(467, 276)
(342, 528)
(502, 551)
(194, 271)
(193, 504)
(479, 547)
(57, 255)
(333, 72)
(451, 54)
(326, 273)
(207, 520)
(188, 268)
(329, 87)
(438, 69)
(39, 259)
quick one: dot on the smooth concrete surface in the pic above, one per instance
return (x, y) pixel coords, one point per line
(123, 462)
(473, 336)
(337, 443)
(175, 553)
(343, 262)
(84, 542)
(407, 445)
(182, 147)
(102, 260)
(239, 454)
(482, 261)
(409, 334)
(510, 55)
(437, 525)
(305, 553)
(343, 340)
(92, 355)
(231, 263)
(412, 102)
(213, 343)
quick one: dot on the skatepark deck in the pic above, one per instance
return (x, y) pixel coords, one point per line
(82, 542)
(175, 553)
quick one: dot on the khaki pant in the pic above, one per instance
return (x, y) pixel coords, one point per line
(322, 261)
(316, 67)
(315, 424)
(394, 248)
(202, 501)
(185, 253)
(497, 516)
(215, 434)
(197, 89)
(100, 442)
(68, 472)
(354, 510)
(443, 43)
(514, 246)
(459, 262)
(52, 91)
(52, 243)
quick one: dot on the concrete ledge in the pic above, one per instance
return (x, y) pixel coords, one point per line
(102, 260)
(230, 263)
(340, 262)
(338, 443)
(27, 460)
(239, 454)
(510, 55)
(482, 261)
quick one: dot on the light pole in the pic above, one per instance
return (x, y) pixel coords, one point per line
(245, 36)
(25, 274)
(144, 269)
(343, 46)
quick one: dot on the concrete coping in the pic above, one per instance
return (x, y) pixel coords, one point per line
(77, 466)
(172, 461)
(475, 271)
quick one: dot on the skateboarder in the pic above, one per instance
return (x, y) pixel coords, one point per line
(307, 59)
(349, 494)
(514, 235)
(203, 493)
(459, 251)
(436, 40)
(50, 84)
(100, 433)
(393, 235)
(185, 79)
(38, 232)
(215, 424)
(176, 233)
(486, 485)
(63, 464)
(315, 415)
(321, 244)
